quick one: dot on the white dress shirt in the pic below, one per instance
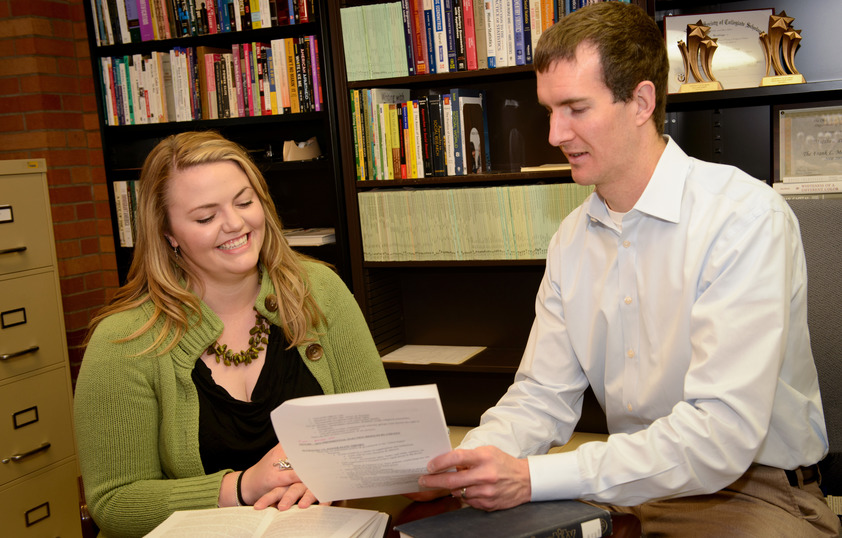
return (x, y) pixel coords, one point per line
(690, 325)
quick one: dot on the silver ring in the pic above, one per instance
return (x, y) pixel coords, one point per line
(283, 465)
(463, 493)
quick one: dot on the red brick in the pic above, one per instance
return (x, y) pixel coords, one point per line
(63, 28)
(106, 243)
(78, 139)
(104, 227)
(76, 337)
(74, 319)
(80, 265)
(40, 8)
(67, 66)
(58, 176)
(111, 280)
(4, 10)
(63, 213)
(53, 120)
(72, 285)
(101, 191)
(12, 123)
(70, 157)
(80, 175)
(24, 26)
(85, 300)
(74, 230)
(72, 194)
(28, 103)
(94, 281)
(108, 261)
(71, 102)
(85, 211)
(10, 86)
(90, 245)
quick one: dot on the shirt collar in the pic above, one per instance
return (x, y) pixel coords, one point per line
(662, 196)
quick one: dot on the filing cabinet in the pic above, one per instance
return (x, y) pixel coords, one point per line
(39, 493)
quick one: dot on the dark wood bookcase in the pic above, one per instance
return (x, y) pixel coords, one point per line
(491, 303)
(308, 194)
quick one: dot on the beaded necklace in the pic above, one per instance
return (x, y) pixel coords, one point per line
(258, 335)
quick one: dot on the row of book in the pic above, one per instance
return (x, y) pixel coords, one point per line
(417, 37)
(194, 83)
(133, 21)
(400, 137)
(488, 223)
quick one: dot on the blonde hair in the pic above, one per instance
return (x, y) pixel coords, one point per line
(156, 276)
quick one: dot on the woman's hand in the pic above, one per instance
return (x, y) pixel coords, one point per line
(264, 484)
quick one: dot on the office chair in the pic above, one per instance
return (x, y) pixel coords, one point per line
(821, 233)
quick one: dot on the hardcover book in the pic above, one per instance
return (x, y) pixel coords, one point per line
(573, 519)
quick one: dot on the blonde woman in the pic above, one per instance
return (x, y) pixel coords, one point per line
(219, 322)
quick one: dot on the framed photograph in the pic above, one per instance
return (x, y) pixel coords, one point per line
(807, 142)
(739, 60)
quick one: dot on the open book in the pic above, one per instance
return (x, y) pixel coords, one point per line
(246, 522)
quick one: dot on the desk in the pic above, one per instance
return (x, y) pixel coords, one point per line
(403, 510)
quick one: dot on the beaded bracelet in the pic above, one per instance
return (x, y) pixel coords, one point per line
(240, 500)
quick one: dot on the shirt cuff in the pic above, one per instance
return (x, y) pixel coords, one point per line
(555, 476)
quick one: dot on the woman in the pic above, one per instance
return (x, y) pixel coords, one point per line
(219, 322)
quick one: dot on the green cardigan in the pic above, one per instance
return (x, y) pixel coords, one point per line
(137, 417)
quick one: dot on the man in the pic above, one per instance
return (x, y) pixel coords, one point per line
(677, 292)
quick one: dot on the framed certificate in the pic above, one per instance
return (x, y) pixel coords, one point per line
(807, 142)
(739, 60)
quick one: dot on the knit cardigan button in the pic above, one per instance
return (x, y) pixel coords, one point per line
(314, 352)
(271, 303)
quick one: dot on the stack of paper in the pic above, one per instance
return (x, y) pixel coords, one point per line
(310, 237)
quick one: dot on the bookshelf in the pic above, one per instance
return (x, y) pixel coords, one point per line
(308, 194)
(491, 302)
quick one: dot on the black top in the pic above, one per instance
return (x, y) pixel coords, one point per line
(234, 434)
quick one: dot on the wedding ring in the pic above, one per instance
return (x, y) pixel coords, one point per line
(283, 465)
(463, 493)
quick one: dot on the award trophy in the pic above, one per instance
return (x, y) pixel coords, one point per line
(779, 46)
(697, 54)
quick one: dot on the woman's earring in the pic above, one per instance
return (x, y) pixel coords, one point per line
(176, 251)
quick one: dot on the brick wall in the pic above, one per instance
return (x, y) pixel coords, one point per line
(48, 110)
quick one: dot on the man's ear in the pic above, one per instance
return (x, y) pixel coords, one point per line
(644, 97)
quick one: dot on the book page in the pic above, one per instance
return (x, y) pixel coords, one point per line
(362, 444)
(318, 520)
(415, 354)
(233, 522)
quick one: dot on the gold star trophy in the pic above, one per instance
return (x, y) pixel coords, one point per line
(779, 46)
(697, 54)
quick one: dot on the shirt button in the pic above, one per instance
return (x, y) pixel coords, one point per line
(630, 353)
(628, 300)
(314, 352)
(271, 303)
(626, 243)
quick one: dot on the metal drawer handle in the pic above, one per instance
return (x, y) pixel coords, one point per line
(8, 356)
(17, 457)
(12, 250)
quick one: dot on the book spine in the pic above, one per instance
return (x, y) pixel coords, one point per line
(459, 32)
(419, 35)
(447, 121)
(409, 38)
(430, 32)
(437, 136)
(454, 35)
(470, 35)
(440, 37)
(426, 138)
(517, 21)
(294, 103)
(527, 32)
(813, 187)
(419, 141)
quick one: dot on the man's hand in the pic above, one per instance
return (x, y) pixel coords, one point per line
(486, 477)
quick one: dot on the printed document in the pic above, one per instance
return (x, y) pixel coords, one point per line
(362, 444)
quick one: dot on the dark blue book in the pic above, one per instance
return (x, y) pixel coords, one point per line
(573, 519)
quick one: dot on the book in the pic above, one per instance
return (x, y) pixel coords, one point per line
(812, 187)
(424, 354)
(534, 520)
(246, 522)
(310, 237)
(363, 444)
(474, 130)
(545, 167)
